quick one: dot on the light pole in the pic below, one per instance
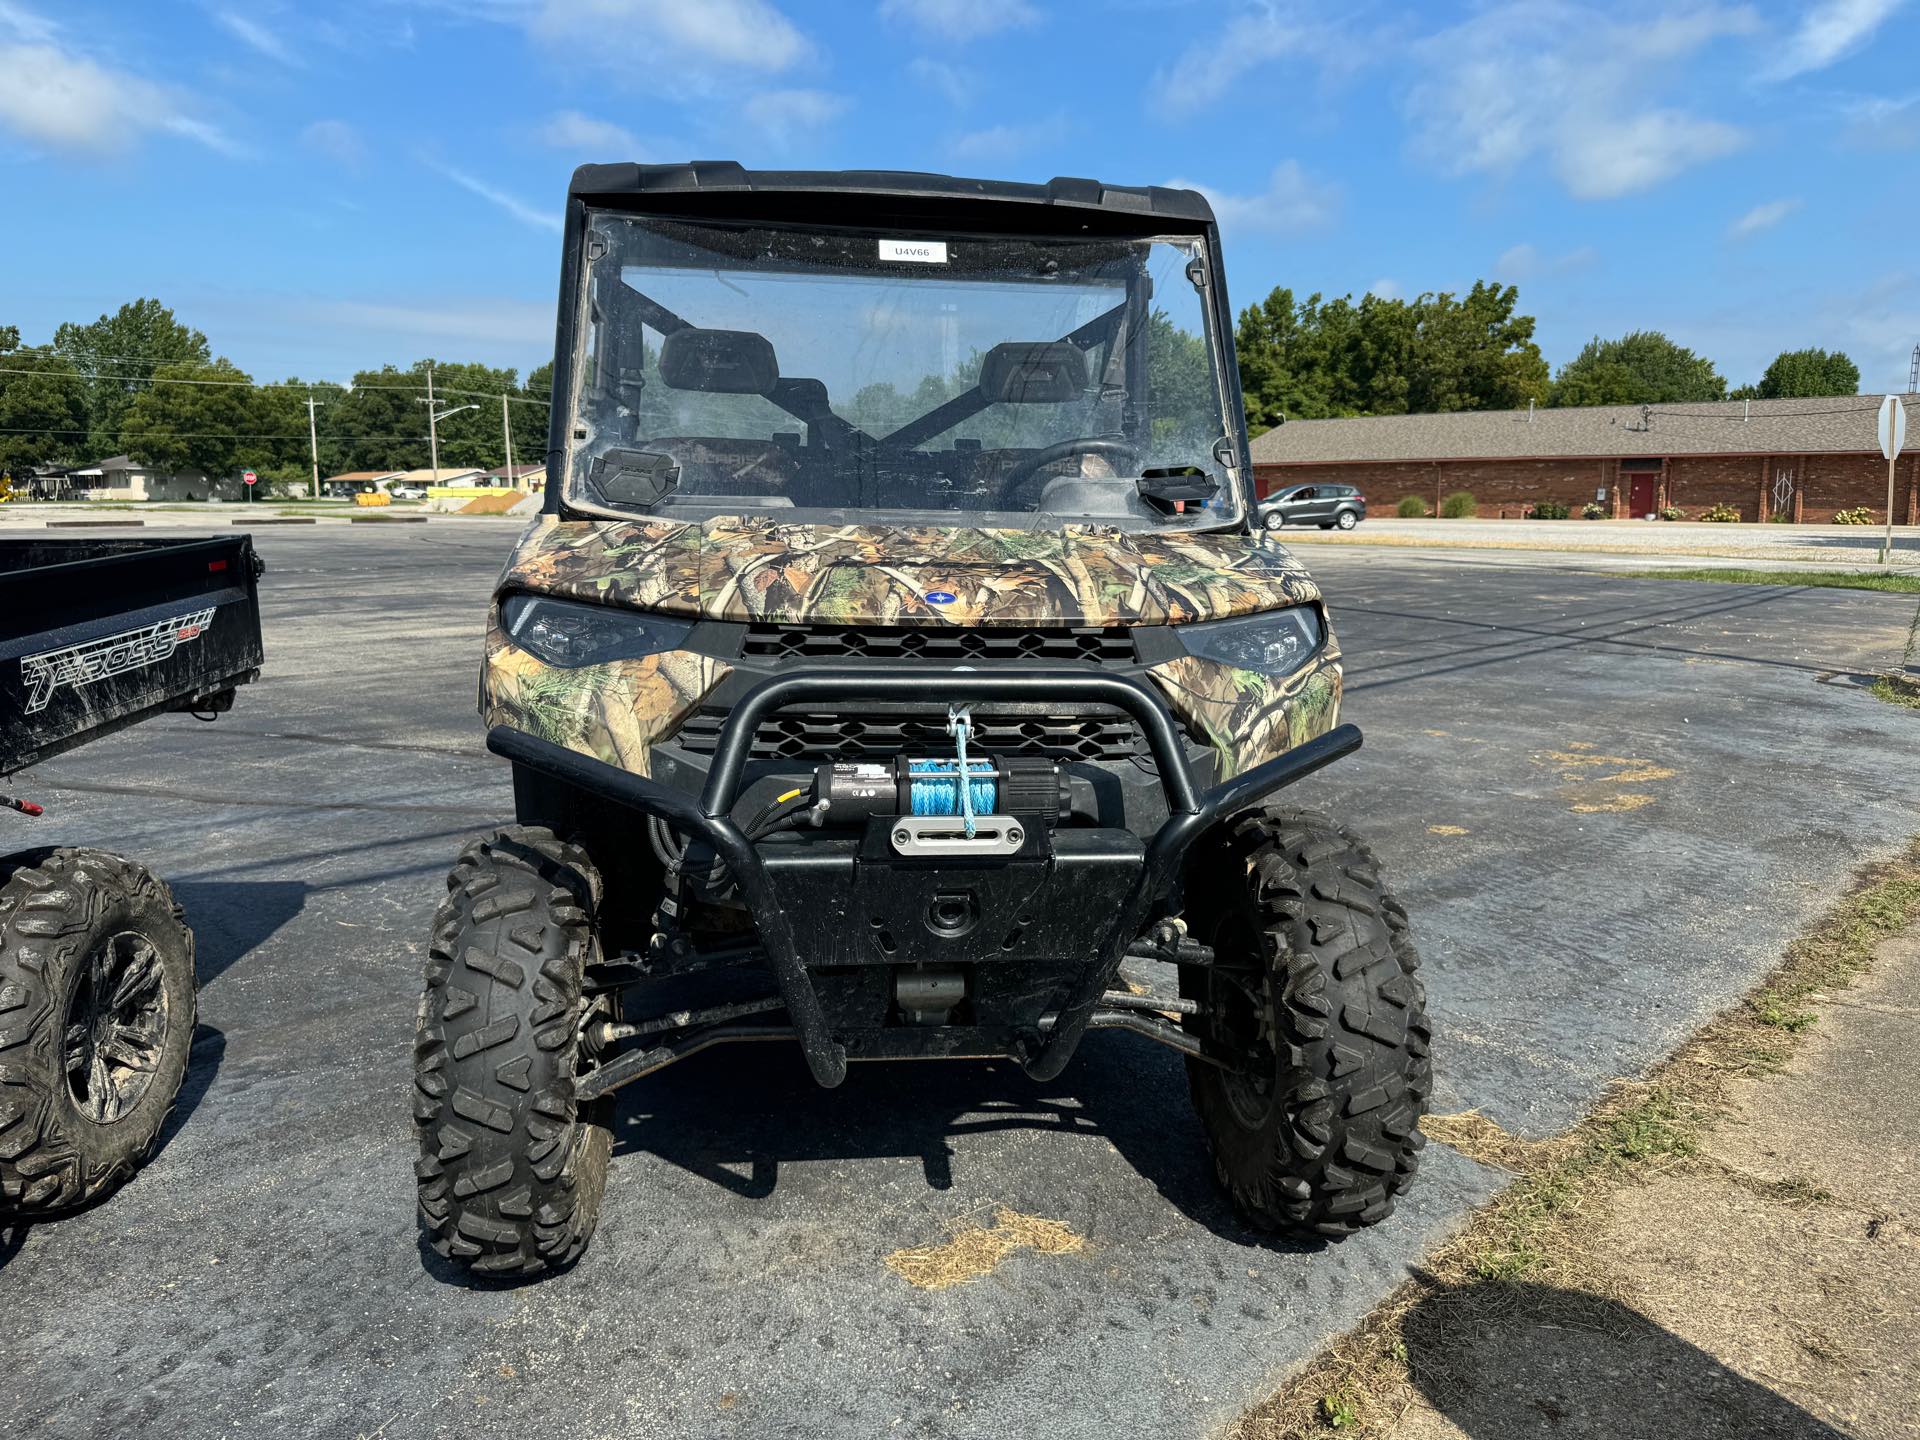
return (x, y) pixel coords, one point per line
(313, 443)
(506, 433)
(433, 425)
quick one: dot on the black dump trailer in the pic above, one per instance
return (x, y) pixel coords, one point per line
(96, 961)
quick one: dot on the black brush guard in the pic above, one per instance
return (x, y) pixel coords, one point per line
(1191, 814)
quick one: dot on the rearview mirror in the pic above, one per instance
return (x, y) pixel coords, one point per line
(719, 362)
(1033, 372)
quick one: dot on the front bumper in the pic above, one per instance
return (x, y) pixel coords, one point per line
(1147, 874)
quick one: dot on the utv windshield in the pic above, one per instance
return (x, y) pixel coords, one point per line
(841, 374)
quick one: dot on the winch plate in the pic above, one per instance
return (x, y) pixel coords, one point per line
(878, 907)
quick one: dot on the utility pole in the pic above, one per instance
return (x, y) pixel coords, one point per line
(506, 431)
(313, 444)
(433, 427)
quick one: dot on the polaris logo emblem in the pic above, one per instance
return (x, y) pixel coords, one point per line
(79, 665)
(940, 597)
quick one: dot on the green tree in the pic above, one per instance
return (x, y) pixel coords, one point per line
(1314, 358)
(1808, 372)
(205, 417)
(471, 439)
(381, 424)
(117, 355)
(43, 408)
(1640, 368)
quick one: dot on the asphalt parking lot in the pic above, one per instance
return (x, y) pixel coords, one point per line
(1607, 802)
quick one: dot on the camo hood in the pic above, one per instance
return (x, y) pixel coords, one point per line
(743, 569)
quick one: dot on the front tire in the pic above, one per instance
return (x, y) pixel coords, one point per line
(512, 1167)
(96, 1025)
(1314, 1002)
(1273, 520)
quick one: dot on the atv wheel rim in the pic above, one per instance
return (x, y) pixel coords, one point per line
(1241, 1013)
(116, 1027)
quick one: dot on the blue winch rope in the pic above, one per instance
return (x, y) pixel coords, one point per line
(960, 726)
(939, 793)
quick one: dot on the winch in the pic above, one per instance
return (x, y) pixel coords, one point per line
(951, 805)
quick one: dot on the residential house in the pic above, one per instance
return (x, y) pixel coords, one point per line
(120, 477)
(529, 477)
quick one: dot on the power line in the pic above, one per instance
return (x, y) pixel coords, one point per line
(198, 435)
(303, 386)
(1867, 409)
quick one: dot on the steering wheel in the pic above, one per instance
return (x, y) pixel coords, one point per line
(1121, 453)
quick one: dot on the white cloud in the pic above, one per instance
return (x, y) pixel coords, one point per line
(783, 116)
(1761, 217)
(1254, 40)
(1526, 262)
(252, 33)
(710, 36)
(1573, 87)
(491, 320)
(1386, 289)
(23, 25)
(1883, 123)
(1293, 201)
(1008, 142)
(570, 130)
(961, 20)
(63, 100)
(337, 140)
(1829, 31)
(493, 195)
(954, 83)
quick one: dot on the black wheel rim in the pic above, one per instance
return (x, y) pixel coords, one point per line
(1240, 1017)
(116, 1027)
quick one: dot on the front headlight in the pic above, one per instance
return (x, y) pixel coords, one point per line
(567, 634)
(1274, 642)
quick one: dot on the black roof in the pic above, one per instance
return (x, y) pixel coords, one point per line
(726, 187)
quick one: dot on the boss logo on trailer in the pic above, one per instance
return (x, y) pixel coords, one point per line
(79, 665)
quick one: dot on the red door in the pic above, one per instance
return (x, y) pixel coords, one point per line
(1640, 497)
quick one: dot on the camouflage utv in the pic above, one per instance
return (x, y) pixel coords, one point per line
(894, 662)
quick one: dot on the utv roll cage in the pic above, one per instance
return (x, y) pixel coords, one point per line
(906, 201)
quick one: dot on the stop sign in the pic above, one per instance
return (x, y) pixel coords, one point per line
(249, 477)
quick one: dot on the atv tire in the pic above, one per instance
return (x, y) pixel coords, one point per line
(511, 1166)
(1313, 993)
(96, 1025)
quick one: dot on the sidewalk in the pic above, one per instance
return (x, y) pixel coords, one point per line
(1731, 1250)
(25, 515)
(1851, 545)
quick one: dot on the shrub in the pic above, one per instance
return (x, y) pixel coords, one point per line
(1593, 510)
(1673, 512)
(1548, 510)
(1720, 514)
(1859, 515)
(1460, 505)
(1412, 507)
(1780, 517)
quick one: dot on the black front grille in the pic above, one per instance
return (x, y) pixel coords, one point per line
(1109, 646)
(799, 734)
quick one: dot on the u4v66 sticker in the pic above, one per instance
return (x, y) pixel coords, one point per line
(78, 665)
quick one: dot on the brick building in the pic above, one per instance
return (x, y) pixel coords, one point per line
(1804, 459)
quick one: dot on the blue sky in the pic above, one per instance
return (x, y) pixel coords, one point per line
(325, 186)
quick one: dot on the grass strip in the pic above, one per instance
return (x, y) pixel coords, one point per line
(1539, 1233)
(1823, 579)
